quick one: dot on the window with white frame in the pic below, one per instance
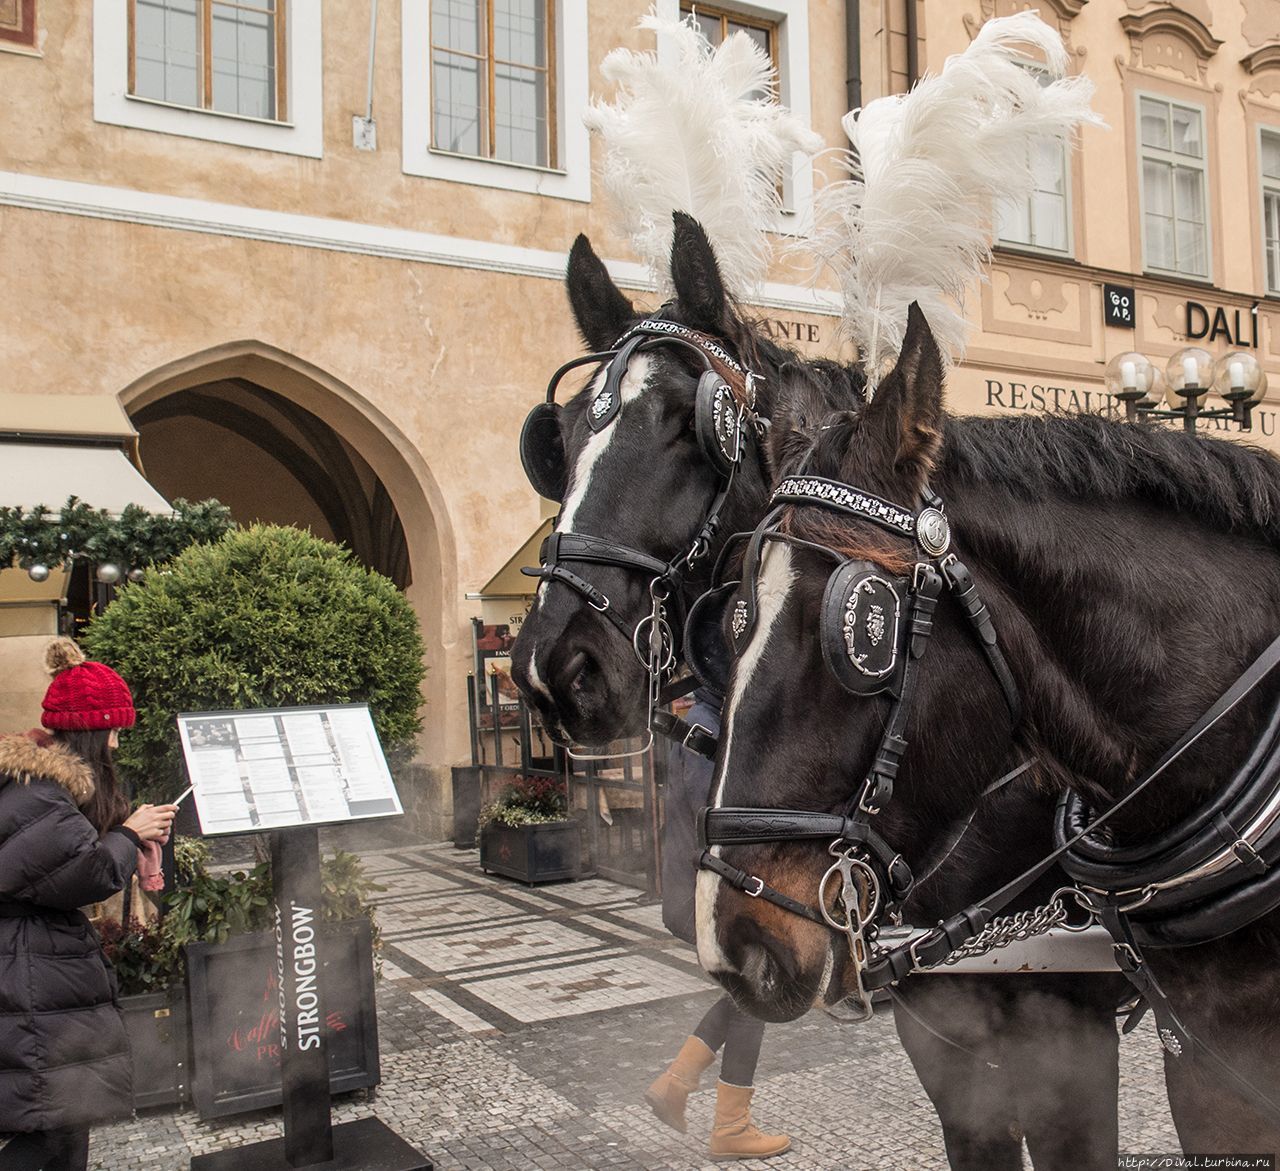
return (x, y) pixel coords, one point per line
(244, 72)
(718, 24)
(492, 80)
(210, 55)
(1173, 160)
(1269, 166)
(1042, 221)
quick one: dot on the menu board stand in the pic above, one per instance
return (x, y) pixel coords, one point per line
(310, 1138)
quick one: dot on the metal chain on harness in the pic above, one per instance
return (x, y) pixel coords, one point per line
(1016, 928)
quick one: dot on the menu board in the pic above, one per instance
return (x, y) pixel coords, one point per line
(263, 769)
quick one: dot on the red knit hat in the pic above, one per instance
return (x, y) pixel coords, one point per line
(84, 695)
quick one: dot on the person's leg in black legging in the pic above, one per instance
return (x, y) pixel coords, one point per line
(734, 1134)
(713, 1029)
(669, 1093)
(743, 1036)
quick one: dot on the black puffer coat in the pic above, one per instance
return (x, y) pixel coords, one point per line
(64, 1056)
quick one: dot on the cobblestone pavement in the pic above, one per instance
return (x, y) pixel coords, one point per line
(519, 1027)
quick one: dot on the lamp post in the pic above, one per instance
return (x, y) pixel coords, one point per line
(1191, 374)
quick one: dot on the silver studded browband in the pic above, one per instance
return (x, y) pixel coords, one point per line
(842, 498)
(657, 325)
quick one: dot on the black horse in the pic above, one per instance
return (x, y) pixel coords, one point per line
(649, 488)
(1132, 575)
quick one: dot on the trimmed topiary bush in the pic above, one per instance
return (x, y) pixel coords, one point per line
(266, 617)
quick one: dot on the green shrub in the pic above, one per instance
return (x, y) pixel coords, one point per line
(266, 617)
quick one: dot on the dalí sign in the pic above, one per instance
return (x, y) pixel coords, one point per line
(1239, 330)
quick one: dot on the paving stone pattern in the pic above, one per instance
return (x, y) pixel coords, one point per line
(519, 1028)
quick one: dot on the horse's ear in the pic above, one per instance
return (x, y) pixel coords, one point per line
(602, 312)
(696, 277)
(908, 403)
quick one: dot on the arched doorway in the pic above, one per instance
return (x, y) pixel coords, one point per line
(281, 440)
(269, 459)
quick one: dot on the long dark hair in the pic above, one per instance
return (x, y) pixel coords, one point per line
(109, 805)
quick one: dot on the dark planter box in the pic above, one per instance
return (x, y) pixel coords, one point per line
(157, 1024)
(532, 853)
(235, 1018)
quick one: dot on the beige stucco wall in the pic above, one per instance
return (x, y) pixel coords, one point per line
(427, 369)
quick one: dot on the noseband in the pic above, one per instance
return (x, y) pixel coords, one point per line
(726, 424)
(875, 629)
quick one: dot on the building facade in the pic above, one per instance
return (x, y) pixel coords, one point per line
(317, 258)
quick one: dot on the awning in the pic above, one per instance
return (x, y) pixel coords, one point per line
(509, 582)
(47, 473)
(51, 416)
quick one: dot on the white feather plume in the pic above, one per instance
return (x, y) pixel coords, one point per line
(931, 169)
(693, 134)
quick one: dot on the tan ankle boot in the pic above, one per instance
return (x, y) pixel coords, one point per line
(669, 1093)
(735, 1136)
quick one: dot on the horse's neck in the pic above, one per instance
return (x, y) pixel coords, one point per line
(1123, 623)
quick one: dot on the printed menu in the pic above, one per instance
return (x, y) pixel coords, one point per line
(288, 766)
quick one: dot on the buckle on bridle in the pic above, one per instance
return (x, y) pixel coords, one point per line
(693, 730)
(755, 894)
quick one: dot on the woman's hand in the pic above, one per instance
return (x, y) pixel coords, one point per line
(152, 822)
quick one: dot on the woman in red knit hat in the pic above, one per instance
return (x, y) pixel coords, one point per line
(67, 839)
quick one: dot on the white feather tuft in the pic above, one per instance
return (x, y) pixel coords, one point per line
(931, 169)
(693, 134)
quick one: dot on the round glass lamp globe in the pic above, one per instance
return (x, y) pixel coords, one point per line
(1132, 371)
(1239, 372)
(1189, 367)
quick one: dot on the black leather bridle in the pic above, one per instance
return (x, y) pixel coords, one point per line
(727, 426)
(873, 877)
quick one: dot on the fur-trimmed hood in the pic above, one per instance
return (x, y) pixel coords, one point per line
(37, 754)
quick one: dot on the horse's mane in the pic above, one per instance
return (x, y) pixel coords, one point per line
(1228, 485)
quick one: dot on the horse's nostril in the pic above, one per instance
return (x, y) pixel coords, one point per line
(574, 669)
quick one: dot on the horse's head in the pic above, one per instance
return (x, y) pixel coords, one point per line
(822, 631)
(659, 442)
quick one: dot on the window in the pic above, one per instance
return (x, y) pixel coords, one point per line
(210, 55)
(1042, 221)
(1270, 167)
(717, 26)
(493, 80)
(1174, 206)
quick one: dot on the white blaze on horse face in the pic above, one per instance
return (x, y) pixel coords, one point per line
(634, 383)
(773, 585)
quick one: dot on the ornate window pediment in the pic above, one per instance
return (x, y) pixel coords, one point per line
(1056, 13)
(1263, 67)
(1170, 39)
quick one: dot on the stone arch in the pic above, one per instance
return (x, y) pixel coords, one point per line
(398, 465)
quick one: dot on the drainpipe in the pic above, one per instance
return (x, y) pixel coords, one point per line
(853, 54)
(913, 43)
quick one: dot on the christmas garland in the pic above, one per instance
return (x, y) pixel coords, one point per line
(39, 540)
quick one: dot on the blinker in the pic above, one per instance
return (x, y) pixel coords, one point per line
(862, 628)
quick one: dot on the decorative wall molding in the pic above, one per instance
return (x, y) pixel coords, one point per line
(1170, 39)
(68, 197)
(1057, 13)
(1263, 67)
(1261, 24)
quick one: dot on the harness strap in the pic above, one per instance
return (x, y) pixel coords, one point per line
(757, 888)
(1177, 1039)
(694, 737)
(966, 593)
